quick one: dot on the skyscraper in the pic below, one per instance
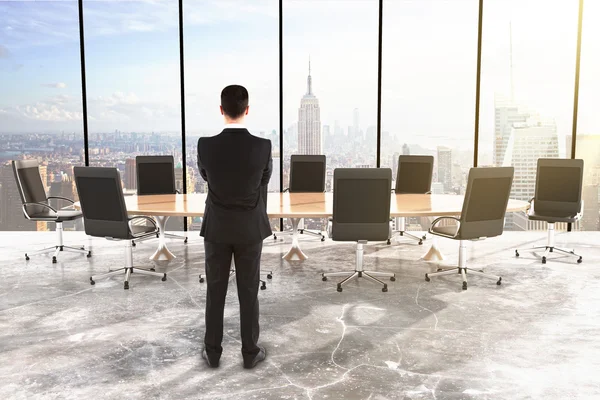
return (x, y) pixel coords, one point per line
(506, 114)
(309, 122)
(356, 125)
(129, 178)
(444, 166)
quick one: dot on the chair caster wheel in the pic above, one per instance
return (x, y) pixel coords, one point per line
(157, 235)
(274, 237)
(392, 278)
(427, 279)
(389, 241)
(579, 260)
(543, 260)
(424, 237)
(89, 254)
(201, 279)
(324, 279)
(464, 287)
(164, 278)
(269, 276)
(420, 242)
(322, 238)
(499, 282)
(516, 253)
(439, 269)
(301, 231)
(126, 285)
(185, 241)
(384, 289)
(263, 287)
(153, 269)
(26, 257)
(339, 288)
(54, 260)
(92, 282)
(133, 244)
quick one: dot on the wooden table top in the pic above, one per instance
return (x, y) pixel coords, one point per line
(305, 205)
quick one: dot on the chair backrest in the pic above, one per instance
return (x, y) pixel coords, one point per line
(486, 198)
(307, 173)
(30, 186)
(414, 174)
(361, 204)
(558, 187)
(155, 175)
(102, 202)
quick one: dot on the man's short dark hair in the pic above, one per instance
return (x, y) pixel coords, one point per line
(234, 100)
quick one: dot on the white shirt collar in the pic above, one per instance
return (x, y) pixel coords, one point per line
(235, 126)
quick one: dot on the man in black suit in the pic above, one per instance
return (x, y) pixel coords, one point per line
(237, 167)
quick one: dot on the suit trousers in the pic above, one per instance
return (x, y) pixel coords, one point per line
(247, 267)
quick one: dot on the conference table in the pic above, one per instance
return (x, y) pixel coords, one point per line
(295, 207)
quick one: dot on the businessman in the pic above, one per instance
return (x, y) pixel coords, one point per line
(237, 167)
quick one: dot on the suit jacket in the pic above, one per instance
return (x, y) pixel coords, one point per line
(237, 167)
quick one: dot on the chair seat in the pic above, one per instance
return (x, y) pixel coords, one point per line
(141, 230)
(61, 216)
(448, 231)
(552, 217)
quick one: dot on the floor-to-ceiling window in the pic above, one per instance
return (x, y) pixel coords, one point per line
(527, 84)
(588, 124)
(428, 86)
(40, 102)
(133, 89)
(230, 42)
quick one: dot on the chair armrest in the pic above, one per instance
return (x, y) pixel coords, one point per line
(62, 198)
(393, 190)
(437, 220)
(177, 191)
(286, 190)
(428, 192)
(38, 204)
(146, 218)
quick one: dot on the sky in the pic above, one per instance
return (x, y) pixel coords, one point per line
(429, 64)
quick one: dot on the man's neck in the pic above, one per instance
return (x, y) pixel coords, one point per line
(238, 121)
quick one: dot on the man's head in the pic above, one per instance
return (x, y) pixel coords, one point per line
(234, 102)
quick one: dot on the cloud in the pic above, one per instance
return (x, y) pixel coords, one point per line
(18, 67)
(4, 53)
(60, 108)
(58, 85)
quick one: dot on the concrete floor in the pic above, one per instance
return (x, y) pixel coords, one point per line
(537, 336)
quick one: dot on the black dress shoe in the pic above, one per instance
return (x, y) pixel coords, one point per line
(251, 362)
(209, 362)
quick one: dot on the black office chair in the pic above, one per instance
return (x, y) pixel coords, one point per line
(36, 206)
(413, 176)
(361, 212)
(482, 216)
(558, 188)
(156, 175)
(307, 175)
(105, 215)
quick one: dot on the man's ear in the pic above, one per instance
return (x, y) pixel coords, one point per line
(247, 108)
(221, 108)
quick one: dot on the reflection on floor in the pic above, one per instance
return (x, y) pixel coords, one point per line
(536, 336)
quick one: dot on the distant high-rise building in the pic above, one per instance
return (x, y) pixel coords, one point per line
(130, 179)
(11, 214)
(444, 167)
(405, 150)
(309, 122)
(274, 181)
(44, 175)
(506, 114)
(395, 165)
(356, 124)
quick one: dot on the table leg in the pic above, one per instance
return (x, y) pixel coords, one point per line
(295, 249)
(434, 253)
(162, 253)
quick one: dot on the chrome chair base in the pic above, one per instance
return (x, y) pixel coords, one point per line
(128, 271)
(359, 272)
(59, 247)
(550, 248)
(462, 269)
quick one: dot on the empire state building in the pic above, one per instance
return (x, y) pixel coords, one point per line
(309, 122)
